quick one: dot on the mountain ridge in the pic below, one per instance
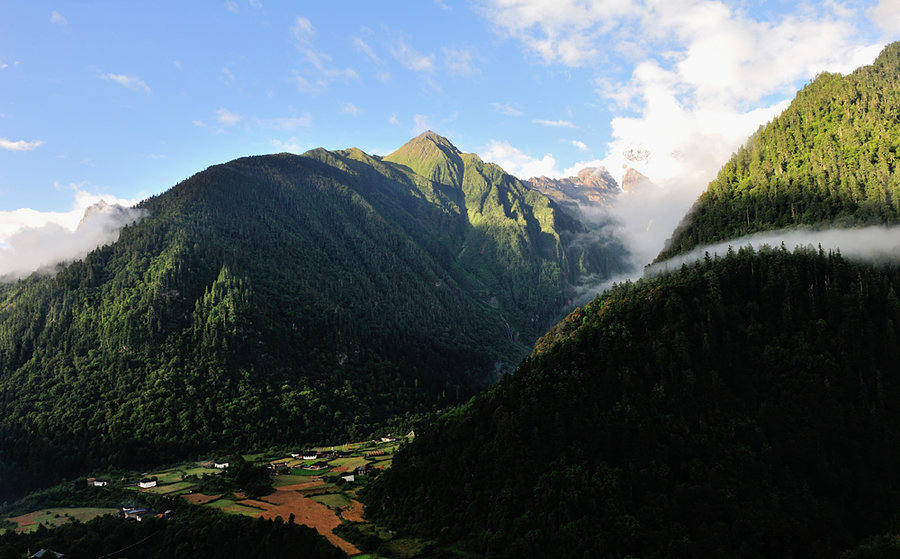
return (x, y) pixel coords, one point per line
(280, 298)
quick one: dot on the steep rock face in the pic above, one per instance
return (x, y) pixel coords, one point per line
(593, 185)
(634, 181)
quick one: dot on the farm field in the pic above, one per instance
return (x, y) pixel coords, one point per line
(319, 499)
(53, 517)
(287, 501)
(177, 487)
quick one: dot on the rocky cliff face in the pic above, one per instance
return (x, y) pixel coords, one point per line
(593, 186)
(634, 181)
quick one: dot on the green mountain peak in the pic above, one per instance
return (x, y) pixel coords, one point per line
(431, 156)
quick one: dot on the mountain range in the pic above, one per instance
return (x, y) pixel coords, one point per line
(737, 406)
(284, 299)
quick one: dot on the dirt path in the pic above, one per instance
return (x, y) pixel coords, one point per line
(286, 501)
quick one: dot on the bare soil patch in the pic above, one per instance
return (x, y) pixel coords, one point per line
(353, 513)
(200, 498)
(287, 500)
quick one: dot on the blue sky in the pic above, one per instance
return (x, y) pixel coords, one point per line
(121, 100)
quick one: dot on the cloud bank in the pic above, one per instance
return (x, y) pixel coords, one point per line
(37, 241)
(873, 245)
(699, 77)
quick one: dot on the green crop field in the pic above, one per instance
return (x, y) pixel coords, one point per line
(350, 463)
(179, 487)
(306, 473)
(199, 471)
(238, 508)
(289, 479)
(167, 476)
(221, 503)
(332, 500)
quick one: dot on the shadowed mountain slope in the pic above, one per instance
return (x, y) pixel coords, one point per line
(280, 298)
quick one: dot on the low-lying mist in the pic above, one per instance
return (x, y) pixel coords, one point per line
(874, 245)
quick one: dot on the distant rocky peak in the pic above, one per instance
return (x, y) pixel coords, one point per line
(597, 177)
(634, 180)
(101, 208)
(592, 186)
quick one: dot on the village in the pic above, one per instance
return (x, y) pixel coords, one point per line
(316, 487)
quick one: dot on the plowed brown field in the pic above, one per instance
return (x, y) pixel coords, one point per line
(287, 500)
(354, 513)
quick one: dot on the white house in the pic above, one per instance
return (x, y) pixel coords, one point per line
(147, 483)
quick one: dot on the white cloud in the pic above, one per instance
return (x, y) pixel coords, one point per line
(507, 109)
(392, 119)
(227, 75)
(19, 145)
(554, 123)
(131, 82)
(291, 145)
(227, 118)
(410, 58)
(30, 240)
(364, 47)
(694, 78)
(566, 31)
(578, 144)
(321, 72)
(517, 163)
(381, 72)
(57, 18)
(886, 14)
(232, 6)
(460, 62)
(350, 109)
(420, 124)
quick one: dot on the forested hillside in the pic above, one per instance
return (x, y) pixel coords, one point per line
(740, 407)
(280, 299)
(829, 160)
(737, 407)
